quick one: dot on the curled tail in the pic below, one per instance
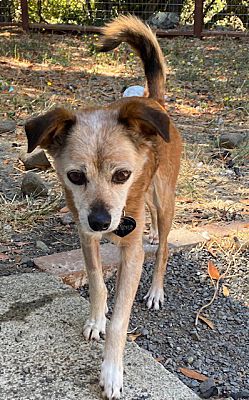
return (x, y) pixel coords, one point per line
(140, 37)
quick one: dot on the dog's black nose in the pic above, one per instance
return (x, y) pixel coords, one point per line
(99, 219)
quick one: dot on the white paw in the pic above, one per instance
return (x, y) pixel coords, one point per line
(111, 380)
(155, 298)
(94, 329)
(153, 237)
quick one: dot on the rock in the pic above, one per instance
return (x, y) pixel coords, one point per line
(33, 185)
(36, 159)
(190, 360)
(164, 20)
(144, 332)
(230, 140)
(67, 219)
(208, 389)
(42, 246)
(242, 394)
(7, 126)
(27, 262)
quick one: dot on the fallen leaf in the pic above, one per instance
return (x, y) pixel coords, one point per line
(207, 321)
(190, 373)
(3, 257)
(21, 244)
(245, 201)
(184, 200)
(133, 336)
(225, 291)
(213, 271)
(159, 359)
(64, 210)
(6, 162)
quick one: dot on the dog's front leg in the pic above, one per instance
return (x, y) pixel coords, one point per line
(96, 323)
(129, 274)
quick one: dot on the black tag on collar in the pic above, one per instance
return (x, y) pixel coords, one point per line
(126, 226)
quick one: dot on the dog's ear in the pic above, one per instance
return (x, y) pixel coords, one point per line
(145, 116)
(49, 130)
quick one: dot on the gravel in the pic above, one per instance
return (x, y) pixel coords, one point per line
(170, 334)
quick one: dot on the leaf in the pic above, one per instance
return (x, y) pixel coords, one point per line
(21, 244)
(213, 271)
(207, 321)
(184, 200)
(64, 210)
(3, 257)
(159, 359)
(225, 291)
(133, 336)
(190, 373)
(245, 201)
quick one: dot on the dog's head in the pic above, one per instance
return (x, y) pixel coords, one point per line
(99, 153)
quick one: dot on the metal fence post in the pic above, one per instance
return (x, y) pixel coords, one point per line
(198, 18)
(25, 15)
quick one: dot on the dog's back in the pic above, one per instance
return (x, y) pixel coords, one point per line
(140, 37)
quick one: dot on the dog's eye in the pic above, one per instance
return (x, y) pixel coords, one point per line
(121, 176)
(77, 177)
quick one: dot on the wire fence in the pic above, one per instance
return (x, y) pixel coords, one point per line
(171, 17)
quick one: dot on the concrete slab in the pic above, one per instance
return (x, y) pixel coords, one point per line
(44, 357)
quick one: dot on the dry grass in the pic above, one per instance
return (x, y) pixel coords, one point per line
(208, 93)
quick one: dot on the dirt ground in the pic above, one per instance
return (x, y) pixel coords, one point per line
(207, 94)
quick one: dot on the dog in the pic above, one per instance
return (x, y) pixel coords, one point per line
(111, 160)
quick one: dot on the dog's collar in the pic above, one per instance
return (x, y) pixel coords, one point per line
(126, 225)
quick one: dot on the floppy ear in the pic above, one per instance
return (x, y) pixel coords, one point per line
(146, 116)
(49, 130)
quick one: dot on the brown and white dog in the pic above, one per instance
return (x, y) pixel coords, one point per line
(109, 160)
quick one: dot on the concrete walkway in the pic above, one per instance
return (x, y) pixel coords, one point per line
(43, 354)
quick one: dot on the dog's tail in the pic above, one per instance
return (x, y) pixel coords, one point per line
(140, 37)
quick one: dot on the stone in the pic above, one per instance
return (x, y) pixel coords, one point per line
(242, 394)
(70, 265)
(36, 159)
(42, 246)
(7, 126)
(66, 218)
(208, 388)
(144, 332)
(33, 185)
(221, 230)
(230, 140)
(164, 20)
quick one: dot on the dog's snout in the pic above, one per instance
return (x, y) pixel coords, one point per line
(99, 219)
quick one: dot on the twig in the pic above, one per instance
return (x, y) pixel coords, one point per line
(216, 288)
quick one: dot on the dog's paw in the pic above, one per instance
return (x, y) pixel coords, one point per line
(111, 380)
(155, 298)
(94, 329)
(153, 238)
